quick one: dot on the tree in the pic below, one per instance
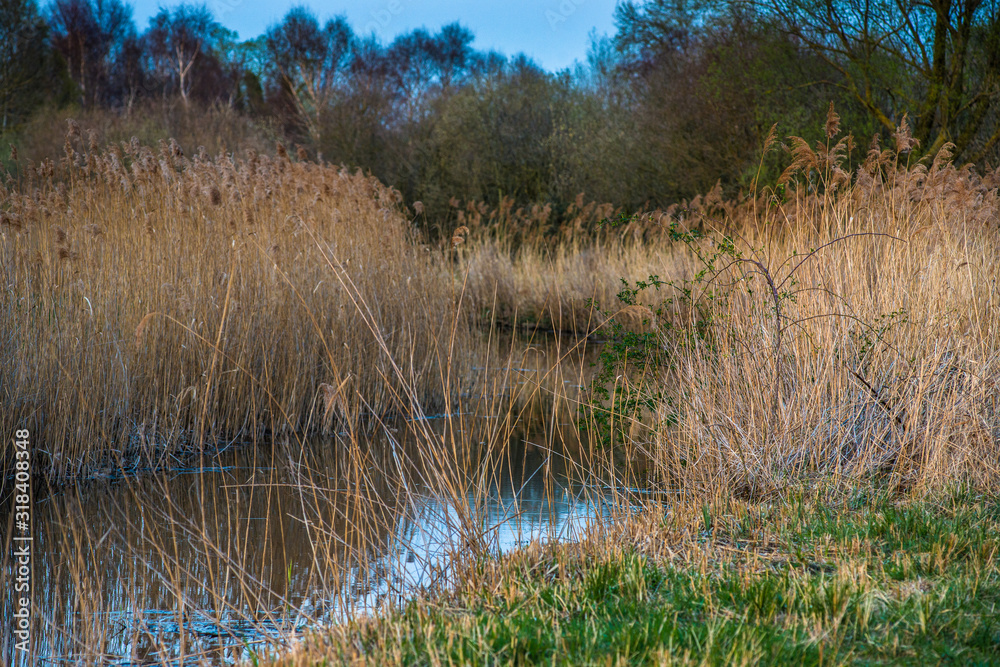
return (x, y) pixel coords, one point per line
(450, 54)
(92, 35)
(24, 61)
(420, 67)
(309, 61)
(708, 79)
(249, 60)
(495, 138)
(129, 73)
(938, 60)
(357, 129)
(180, 39)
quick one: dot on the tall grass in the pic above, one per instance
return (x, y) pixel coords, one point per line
(837, 323)
(219, 128)
(852, 332)
(240, 559)
(154, 302)
(838, 328)
(214, 298)
(821, 352)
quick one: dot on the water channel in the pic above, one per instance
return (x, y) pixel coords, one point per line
(232, 556)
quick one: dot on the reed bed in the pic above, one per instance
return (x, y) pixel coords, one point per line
(219, 128)
(804, 447)
(859, 335)
(266, 542)
(843, 322)
(524, 271)
(157, 303)
(851, 331)
(571, 288)
(832, 342)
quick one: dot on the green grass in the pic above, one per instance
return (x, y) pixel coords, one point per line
(856, 579)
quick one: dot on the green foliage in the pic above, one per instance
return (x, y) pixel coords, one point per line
(625, 390)
(494, 139)
(928, 60)
(679, 100)
(620, 393)
(870, 339)
(711, 79)
(928, 595)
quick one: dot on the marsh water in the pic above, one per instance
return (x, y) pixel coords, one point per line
(224, 558)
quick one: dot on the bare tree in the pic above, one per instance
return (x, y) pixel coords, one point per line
(90, 35)
(937, 59)
(706, 81)
(309, 61)
(178, 39)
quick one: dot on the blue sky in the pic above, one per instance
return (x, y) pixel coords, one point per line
(553, 32)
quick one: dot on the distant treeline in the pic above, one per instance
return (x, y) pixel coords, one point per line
(680, 98)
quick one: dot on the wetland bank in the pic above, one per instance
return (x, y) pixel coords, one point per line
(276, 421)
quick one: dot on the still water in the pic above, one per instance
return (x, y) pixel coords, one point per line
(231, 557)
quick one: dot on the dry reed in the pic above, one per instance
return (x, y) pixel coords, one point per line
(853, 334)
(154, 301)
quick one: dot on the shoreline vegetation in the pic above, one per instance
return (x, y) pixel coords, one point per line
(804, 382)
(832, 575)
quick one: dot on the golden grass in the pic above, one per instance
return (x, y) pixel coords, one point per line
(853, 350)
(219, 298)
(219, 128)
(155, 301)
(553, 288)
(883, 355)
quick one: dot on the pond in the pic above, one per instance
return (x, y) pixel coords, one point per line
(229, 557)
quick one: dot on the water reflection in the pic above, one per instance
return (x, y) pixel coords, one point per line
(268, 541)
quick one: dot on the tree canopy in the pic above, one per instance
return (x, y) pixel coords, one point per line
(679, 100)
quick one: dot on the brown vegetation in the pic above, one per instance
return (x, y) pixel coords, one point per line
(156, 301)
(842, 328)
(219, 129)
(219, 298)
(848, 327)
